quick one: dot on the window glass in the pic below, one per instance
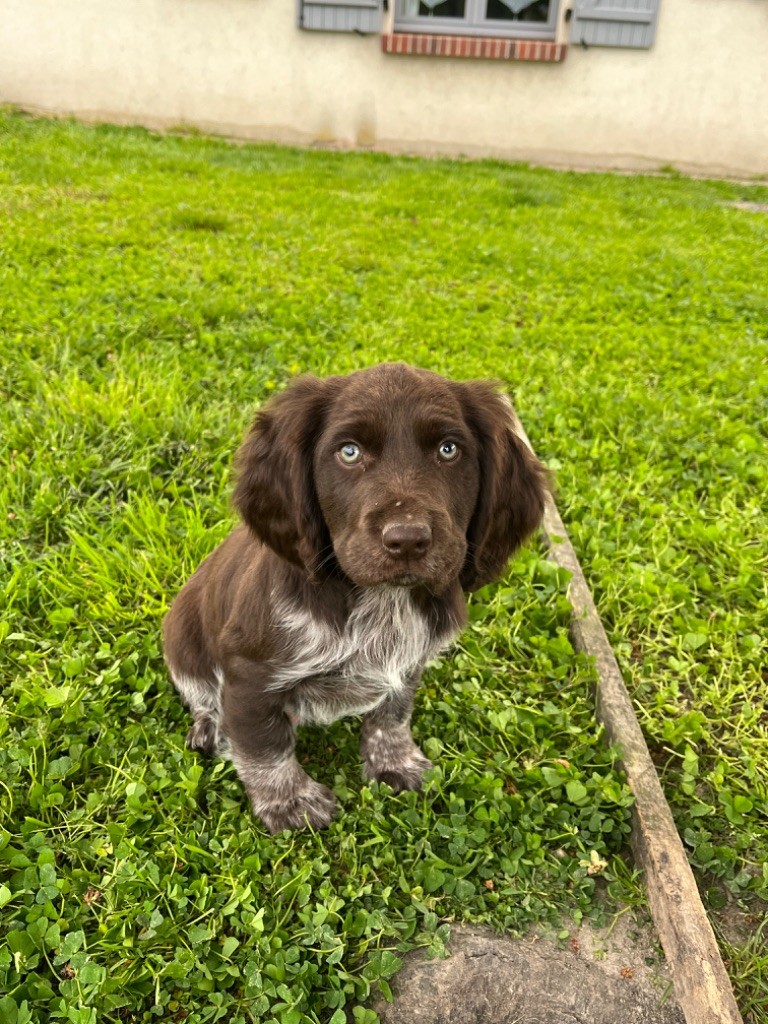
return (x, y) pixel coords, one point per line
(517, 10)
(435, 8)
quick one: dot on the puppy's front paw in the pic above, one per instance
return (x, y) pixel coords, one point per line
(312, 804)
(203, 736)
(403, 770)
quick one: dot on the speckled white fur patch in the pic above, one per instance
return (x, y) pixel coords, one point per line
(333, 673)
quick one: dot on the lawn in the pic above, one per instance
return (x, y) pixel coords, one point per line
(153, 292)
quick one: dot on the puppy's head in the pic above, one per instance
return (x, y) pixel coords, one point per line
(390, 475)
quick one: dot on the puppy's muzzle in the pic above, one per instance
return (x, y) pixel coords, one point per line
(408, 541)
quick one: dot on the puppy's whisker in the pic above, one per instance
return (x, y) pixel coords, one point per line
(324, 560)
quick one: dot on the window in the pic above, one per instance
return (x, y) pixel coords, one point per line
(535, 19)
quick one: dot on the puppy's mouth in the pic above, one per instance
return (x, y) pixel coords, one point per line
(407, 579)
(434, 577)
(367, 566)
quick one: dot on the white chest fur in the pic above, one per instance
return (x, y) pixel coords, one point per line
(332, 673)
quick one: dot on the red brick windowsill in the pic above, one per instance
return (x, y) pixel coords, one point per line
(493, 48)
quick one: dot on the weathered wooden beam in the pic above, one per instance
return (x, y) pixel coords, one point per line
(702, 986)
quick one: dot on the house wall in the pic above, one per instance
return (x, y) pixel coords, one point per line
(696, 100)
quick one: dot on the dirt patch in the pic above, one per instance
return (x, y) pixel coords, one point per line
(738, 920)
(593, 978)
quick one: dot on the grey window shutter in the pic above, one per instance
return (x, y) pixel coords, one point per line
(340, 15)
(630, 23)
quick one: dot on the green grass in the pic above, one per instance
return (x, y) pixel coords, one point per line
(154, 292)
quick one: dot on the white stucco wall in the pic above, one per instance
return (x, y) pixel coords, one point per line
(698, 99)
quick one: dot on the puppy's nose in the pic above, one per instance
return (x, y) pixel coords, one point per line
(407, 540)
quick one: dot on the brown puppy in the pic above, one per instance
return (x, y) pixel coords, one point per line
(370, 503)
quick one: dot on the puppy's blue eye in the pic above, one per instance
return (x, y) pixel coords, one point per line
(448, 451)
(350, 454)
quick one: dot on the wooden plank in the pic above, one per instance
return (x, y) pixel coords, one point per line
(702, 986)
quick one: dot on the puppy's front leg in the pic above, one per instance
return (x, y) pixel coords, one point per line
(387, 748)
(262, 742)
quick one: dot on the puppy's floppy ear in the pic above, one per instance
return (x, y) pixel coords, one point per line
(275, 489)
(513, 485)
